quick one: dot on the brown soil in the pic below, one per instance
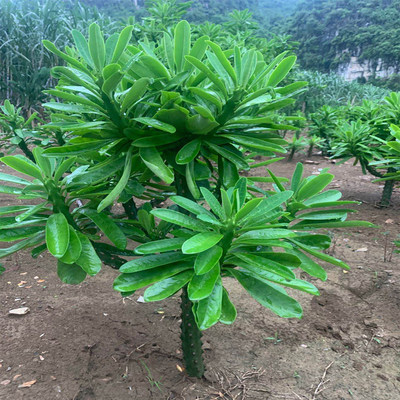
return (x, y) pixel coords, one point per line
(86, 342)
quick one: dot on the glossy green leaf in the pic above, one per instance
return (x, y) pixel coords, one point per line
(206, 260)
(57, 235)
(309, 266)
(70, 273)
(82, 46)
(201, 286)
(120, 186)
(123, 40)
(269, 296)
(135, 93)
(88, 260)
(152, 261)
(313, 186)
(212, 202)
(137, 280)
(281, 71)
(167, 287)
(107, 226)
(208, 310)
(160, 246)
(259, 262)
(188, 152)
(23, 165)
(259, 237)
(75, 149)
(96, 46)
(74, 248)
(296, 177)
(182, 44)
(11, 235)
(180, 219)
(201, 242)
(228, 310)
(151, 157)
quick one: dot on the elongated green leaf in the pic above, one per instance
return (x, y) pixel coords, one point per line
(296, 177)
(75, 149)
(281, 71)
(151, 157)
(14, 179)
(123, 40)
(167, 287)
(13, 209)
(137, 280)
(107, 226)
(206, 260)
(120, 186)
(223, 60)
(162, 126)
(96, 46)
(180, 219)
(181, 44)
(308, 265)
(82, 46)
(208, 310)
(74, 248)
(228, 310)
(135, 93)
(239, 161)
(11, 235)
(268, 295)
(313, 186)
(23, 165)
(57, 235)
(212, 202)
(293, 87)
(255, 143)
(189, 205)
(207, 71)
(63, 167)
(207, 95)
(321, 256)
(259, 237)
(88, 260)
(263, 264)
(197, 51)
(201, 242)
(70, 273)
(152, 261)
(188, 152)
(201, 286)
(29, 242)
(160, 246)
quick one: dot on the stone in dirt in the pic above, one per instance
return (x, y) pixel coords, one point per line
(19, 311)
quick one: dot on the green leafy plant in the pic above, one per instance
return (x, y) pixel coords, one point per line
(176, 120)
(297, 144)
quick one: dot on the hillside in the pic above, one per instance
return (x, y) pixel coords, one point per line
(345, 35)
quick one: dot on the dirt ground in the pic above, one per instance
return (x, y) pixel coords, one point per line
(85, 342)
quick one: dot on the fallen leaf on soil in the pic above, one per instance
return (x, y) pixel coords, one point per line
(179, 368)
(6, 382)
(16, 377)
(363, 249)
(41, 358)
(23, 273)
(19, 311)
(22, 283)
(28, 287)
(40, 280)
(389, 221)
(27, 384)
(311, 162)
(53, 378)
(345, 272)
(35, 277)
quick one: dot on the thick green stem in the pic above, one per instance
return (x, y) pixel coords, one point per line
(191, 338)
(387, 191)
(291, 154)
(22, 145)
(310, 150)
(190, 333)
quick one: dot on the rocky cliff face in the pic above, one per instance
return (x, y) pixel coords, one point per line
(355, 69)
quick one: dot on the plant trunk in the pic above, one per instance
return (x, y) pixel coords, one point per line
(387, 191)
(291, 154)
(190, 333)
(22, 145)
(191, 339)
(310, 150)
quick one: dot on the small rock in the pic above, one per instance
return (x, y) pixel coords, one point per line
(383, 377)
(362, 249)
(140, 299)
(19, 311)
